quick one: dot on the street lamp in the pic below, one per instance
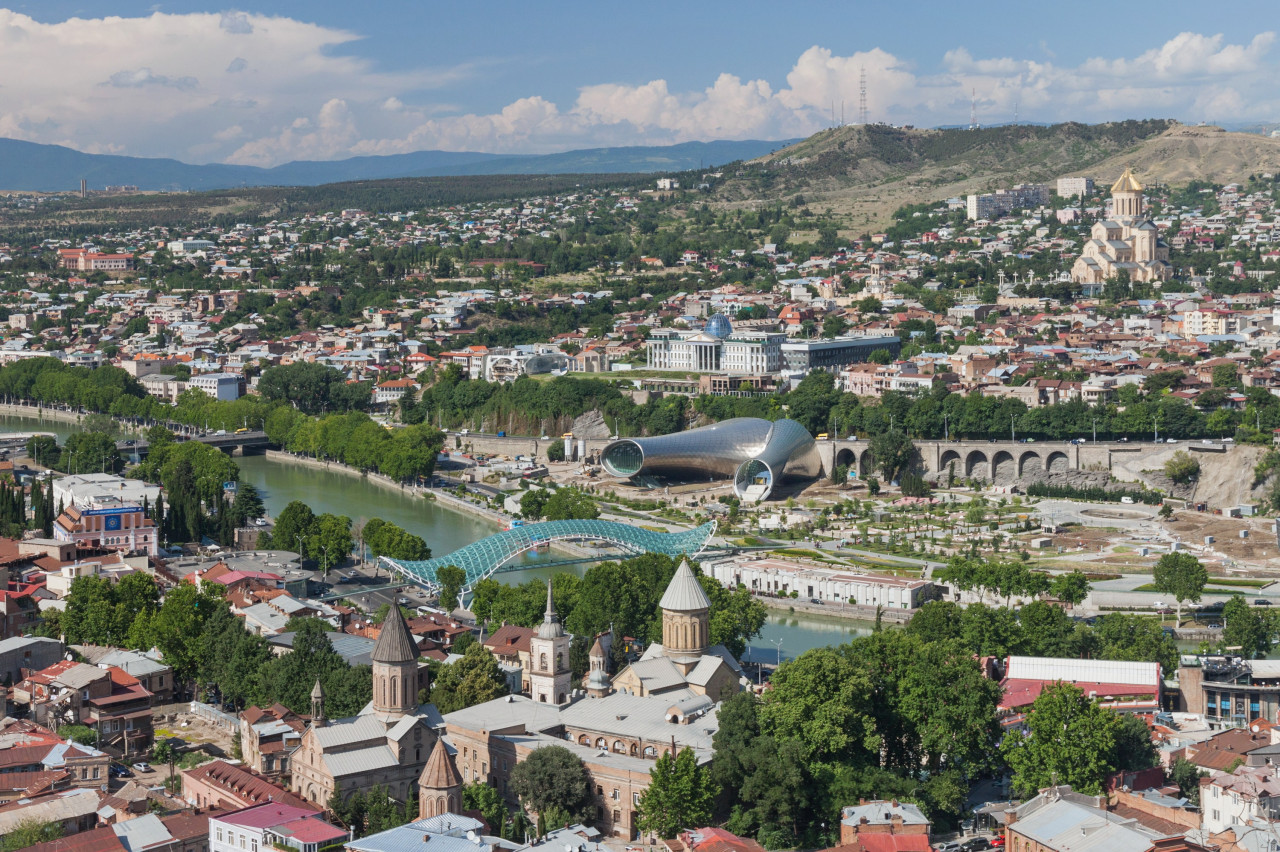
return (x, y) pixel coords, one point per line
(1095, 430)
(778, 644)
(302, 557)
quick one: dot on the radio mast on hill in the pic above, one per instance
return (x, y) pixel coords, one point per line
(862, 95)
(973, 111)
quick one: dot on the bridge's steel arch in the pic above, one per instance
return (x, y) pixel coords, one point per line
(487, 556)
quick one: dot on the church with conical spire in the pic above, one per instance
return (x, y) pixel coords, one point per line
(618, 727)
(1125, 243)
(387, 743)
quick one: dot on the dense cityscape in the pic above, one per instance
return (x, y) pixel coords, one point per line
(886, 488)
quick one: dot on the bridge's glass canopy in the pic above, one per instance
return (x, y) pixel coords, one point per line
(487, 556)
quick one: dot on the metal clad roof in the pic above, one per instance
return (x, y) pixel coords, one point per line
(684, 594)
(1069, 669)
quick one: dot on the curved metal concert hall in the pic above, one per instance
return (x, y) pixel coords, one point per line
(757, 454)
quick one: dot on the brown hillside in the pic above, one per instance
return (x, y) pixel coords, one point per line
(1183, 154)
(863, 174)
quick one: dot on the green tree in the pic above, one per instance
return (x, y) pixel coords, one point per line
(1134, 749)
(1245, 628)
(44, 450)
(680, 795)
(479, 796)
(532, 503)
(1070, 739)
(451, 579)
(472, 680)
(29, 833)
(891, 452)
(1070, 588)
(821, 700)
(1181, 575)
(1181, 467)
(833, 325)
(553, 780)
(1187, 776)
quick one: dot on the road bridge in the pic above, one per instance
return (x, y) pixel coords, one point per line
(236, 443)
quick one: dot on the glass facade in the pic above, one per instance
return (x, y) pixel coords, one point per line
(756, 454)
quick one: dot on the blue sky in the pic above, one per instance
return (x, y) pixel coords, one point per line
(325, 79)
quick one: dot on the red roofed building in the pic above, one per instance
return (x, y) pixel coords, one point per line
(883, 826)
(713, 840)
(84, 260)
(227, 785)
(1120, 685)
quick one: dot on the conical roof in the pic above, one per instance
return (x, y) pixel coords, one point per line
(317, 691)
(550, 628)
(1127, 183)
(683, 593)
(439, 773)
(395, 645)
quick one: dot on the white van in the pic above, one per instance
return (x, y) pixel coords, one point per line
(1128, 500)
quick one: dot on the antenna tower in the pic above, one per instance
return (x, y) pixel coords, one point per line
(862, 96)
(1015, 113)
(973, 111)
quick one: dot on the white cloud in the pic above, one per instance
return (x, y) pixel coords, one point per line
(289, 92)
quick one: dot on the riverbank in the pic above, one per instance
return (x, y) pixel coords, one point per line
(442, 498)
(17, 409)
(835, 609)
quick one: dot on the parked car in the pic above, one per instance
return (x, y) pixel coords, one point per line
(142, 766)
(119, 770)
(974, 843)
(815, 601)
(997, 842)
(949, 846)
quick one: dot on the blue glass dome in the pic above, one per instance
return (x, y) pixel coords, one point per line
(719, 326)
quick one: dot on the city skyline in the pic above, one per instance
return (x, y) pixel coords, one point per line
(287, 82)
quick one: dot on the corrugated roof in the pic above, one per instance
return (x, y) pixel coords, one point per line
(1068, 669)
(683, 593)
(360, 760)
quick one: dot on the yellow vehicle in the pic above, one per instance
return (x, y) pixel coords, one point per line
(567, 435)
(241, 431)
(823, 436)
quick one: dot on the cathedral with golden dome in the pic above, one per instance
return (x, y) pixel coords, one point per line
(1126, 242)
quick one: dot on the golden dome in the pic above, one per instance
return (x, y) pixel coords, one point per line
(1127, 183)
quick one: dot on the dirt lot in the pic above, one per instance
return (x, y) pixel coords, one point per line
(1258, 550)
(176, 720)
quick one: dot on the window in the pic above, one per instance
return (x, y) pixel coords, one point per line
(635, 799)
(253, 845)
(615, 794)
(219, 834)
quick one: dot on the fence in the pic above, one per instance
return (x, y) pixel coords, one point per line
(216, 717)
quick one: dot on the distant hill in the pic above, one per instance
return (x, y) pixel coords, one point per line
(31, 167)
(867, 172)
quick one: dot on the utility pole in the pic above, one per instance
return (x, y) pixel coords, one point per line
(1012, 435)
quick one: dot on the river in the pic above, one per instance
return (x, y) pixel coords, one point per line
(446, 530)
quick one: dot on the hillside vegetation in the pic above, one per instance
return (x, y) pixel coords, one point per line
(864, 173)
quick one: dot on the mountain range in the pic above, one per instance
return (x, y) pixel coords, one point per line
(33, 167)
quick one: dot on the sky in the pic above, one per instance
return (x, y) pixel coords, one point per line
(329, 79)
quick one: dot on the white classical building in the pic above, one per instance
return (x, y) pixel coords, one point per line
(716, 348)
(780, 577)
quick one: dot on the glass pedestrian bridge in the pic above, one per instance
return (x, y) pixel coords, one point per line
(488, 556)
